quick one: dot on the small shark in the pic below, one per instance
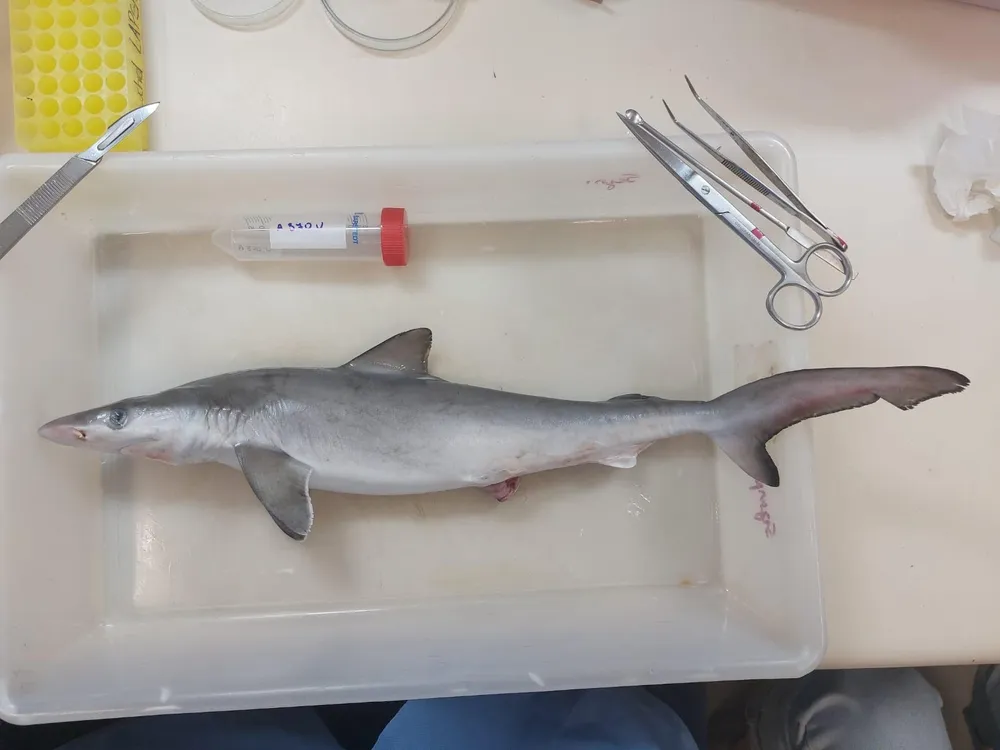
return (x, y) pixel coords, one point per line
(381, 424)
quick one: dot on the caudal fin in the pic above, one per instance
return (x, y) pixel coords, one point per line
(747, 417)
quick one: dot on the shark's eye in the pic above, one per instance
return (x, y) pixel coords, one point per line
(117, 418)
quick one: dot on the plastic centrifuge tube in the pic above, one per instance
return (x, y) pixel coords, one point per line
(348, 236)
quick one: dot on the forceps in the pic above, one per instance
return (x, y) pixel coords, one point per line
(794, 273)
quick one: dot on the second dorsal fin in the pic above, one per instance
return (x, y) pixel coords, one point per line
(404, 354)
(631, 397)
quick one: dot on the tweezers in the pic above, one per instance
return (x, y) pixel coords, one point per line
(694, 177)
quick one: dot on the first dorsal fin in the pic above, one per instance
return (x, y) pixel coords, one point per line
(404, 354)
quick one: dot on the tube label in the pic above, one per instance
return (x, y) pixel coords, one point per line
(307, 235)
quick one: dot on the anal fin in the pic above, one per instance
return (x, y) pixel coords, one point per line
(281, 483)
(624, 459)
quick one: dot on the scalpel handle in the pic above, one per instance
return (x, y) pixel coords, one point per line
(40, 202)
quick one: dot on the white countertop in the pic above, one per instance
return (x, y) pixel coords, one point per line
(908, 510)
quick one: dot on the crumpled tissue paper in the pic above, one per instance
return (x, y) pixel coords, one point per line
(967, 168)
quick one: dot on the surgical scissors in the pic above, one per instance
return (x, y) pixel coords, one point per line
(794, 273)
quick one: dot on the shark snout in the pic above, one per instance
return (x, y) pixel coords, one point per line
(63, 432)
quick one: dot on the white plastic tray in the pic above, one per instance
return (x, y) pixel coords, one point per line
(133, 588)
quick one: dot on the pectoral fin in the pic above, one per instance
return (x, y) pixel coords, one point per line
(281, 483)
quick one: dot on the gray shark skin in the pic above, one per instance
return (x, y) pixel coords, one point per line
(382, 425)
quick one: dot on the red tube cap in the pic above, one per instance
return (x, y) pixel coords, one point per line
(395, 248)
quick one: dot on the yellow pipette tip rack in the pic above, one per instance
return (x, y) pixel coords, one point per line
(77, 67)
